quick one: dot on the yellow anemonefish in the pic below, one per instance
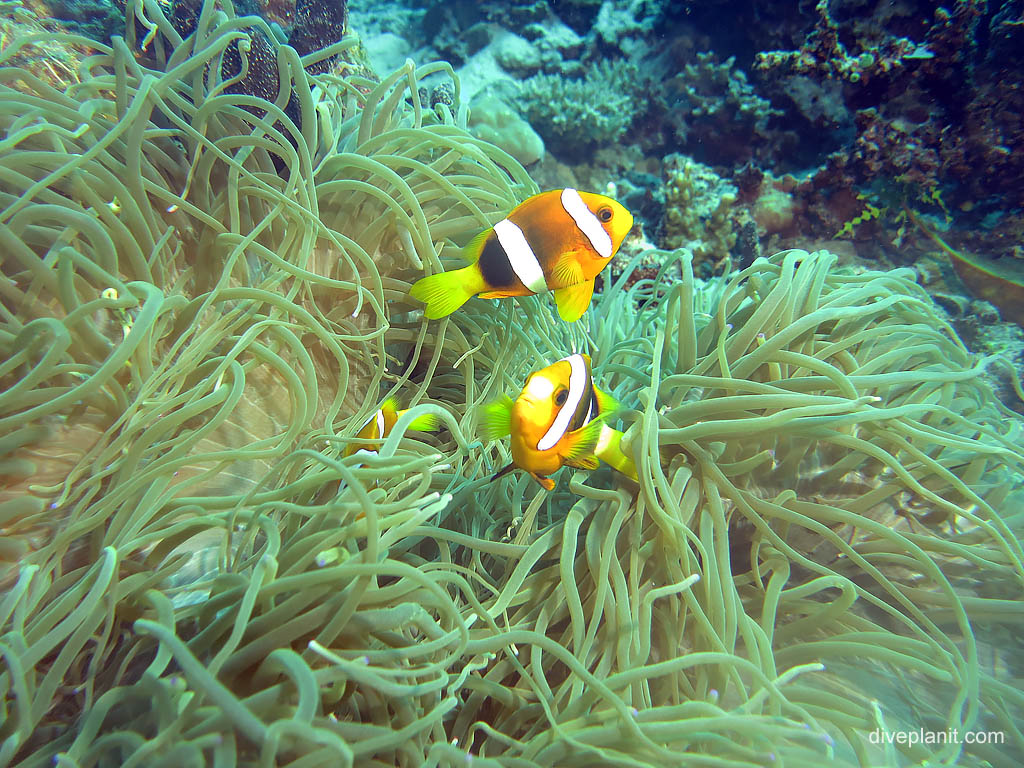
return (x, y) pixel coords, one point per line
(555, 241)
(383, 421)
(558, 419)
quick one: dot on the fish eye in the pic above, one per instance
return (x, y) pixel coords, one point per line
(604, 213)
(561, 396)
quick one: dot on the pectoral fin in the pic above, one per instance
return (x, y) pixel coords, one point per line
(496, 418)
(566, 271)
(573, 300)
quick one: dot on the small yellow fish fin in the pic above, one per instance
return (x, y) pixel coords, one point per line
(579, 446)
(496, 418)
(471, 253)
(606, 404)
(496, 295)
(445, 292)
(573, 300)
(426, 422)
(390, 407)
(609, 450)
(566, 271)
(545, 482)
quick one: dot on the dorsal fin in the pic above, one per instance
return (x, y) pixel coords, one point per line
(606, 404)
(471, 253)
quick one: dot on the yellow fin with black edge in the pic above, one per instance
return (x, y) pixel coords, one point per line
(579, 445)
(471, 253)
(606, 404)
(573, 300)
(445, 292)
(496, 418)
(425, 422)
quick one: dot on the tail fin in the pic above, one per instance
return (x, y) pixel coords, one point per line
(609, 450)
(445, 292)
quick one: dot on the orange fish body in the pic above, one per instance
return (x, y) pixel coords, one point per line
(557, 420)
(383, 421)
(554, 241)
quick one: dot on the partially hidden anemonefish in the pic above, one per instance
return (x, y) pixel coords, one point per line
(555, 241)
(383, 421)
(558, 420)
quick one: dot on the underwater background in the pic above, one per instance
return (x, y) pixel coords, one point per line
(210, 218)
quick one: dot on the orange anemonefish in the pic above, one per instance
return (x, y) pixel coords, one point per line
(383, 421)
(558, 419)
(555, 241)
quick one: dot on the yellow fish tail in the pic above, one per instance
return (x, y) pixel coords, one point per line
(445, 292)
(609, 450)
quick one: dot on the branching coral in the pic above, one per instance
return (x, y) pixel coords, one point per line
(715, 113)
(194, 330)
(576, 115)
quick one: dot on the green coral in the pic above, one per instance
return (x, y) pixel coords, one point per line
(575, 115)
(201, 307)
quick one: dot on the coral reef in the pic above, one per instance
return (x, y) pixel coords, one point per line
(494, 121)
(575, 116)
(715, 115)
(699, 212)
(931, 99)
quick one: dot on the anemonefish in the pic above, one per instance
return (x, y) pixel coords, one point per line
(383, 421)
(557, 420)
(555, 241)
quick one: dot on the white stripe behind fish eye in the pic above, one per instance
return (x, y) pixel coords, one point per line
(520, 256)
(586, 221)
(380, 422)
(577, 386)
